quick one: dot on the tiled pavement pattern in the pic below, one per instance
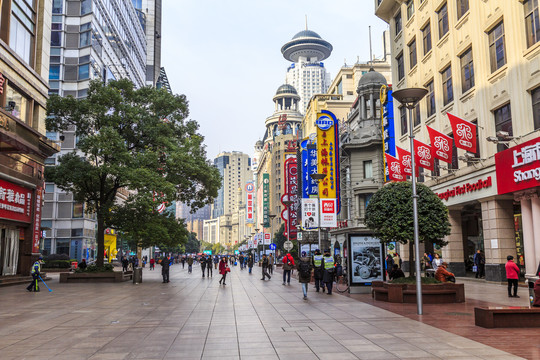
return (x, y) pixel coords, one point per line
(196, 318)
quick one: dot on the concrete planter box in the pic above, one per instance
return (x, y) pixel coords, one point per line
(431, 294)
(115, 276)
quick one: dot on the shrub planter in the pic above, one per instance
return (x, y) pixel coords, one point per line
(406, 293)
(113, 276)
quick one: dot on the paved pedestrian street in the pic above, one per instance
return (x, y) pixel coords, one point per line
(195, 318)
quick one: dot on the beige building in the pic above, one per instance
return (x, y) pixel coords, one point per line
(480, 61)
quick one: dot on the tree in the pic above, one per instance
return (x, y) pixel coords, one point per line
(280, 238)
(137, 140)
(390, 215)
(193, 245)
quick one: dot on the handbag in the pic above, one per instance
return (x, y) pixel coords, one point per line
(475, 268)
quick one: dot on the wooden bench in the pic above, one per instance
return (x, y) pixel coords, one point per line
(507, 317)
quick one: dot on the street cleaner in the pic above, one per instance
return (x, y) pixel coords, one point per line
(36, 271)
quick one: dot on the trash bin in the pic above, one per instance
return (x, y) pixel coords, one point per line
(137, 275)
(531, 282)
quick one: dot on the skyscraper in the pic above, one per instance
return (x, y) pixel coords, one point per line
(149, 12)
(307, 74)
(235, 169)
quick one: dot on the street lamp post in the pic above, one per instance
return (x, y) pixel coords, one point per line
(409, 98)
(318, 178)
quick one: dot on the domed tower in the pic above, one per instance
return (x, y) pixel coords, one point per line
(306, 50)
(368, 121)
(286, 118)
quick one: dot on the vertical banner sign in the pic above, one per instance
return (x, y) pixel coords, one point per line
(423, 156)
(267, 239)
(328, 213)
(37, 220)
(441, 144)
(464, 133)
(387, 117)
(312, 169)
(250, 192)
(328, 155)
(305, 168)
(394, 168)
(266, 200)
(291, 188)
(310, 217)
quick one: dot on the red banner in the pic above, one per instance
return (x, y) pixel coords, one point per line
(441, 145)
(405, 160)
(518, 168)
(15, 202)
(464, 133)
(395, 169)
(423, 157)
(291, 188)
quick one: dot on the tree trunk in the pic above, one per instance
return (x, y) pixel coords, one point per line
(411, 260)
(100, 238)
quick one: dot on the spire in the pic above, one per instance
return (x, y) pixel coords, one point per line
(370, 49)
(306, 22)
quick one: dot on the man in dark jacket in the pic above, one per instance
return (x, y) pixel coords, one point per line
(250, 262)
(209, 266)
(165, 269)
(125, 263)
(317, 261)
(480, 263)
(395, 273)
(265, 268)
(202, 261)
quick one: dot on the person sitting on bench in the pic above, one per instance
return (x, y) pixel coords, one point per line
(444, 275)
(396, 273)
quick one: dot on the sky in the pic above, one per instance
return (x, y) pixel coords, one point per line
(225, 56)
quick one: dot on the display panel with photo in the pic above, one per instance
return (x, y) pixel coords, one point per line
(366, 259)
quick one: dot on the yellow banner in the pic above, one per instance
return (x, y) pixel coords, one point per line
(326, 156)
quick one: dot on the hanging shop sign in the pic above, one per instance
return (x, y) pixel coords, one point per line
(266, 200)
(250, 193)
(290, 212)
(441, 144)
(387, 118)
(37, 220)
(464, 133)
(328, 156)
(423, 156)
(310, 216)
(15, 202)
(328, 213)
(518, 168)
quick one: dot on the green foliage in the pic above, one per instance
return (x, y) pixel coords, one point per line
(193, 245)
(96, 269)
(138, 140)
(412, 280)
(279, 238)
(57, 264)
(390, 214)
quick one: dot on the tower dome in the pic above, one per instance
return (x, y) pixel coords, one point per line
(286, 89)
(371, 79)
(308, 44)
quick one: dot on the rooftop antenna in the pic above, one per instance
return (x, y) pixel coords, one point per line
(370, 50)
(306, 22)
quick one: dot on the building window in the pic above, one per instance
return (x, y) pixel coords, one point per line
(412, 53)
(368, 169)
(410, 9)
(448, 92)
(22, 29)
(54, 72)
(416, 115)
(85, 38)
(467, 71)
(436, 170)
(20, 103)
(532, 22)
(430, 99)
(403, 117)
(84, 72)
(86, 7)
(400, 66)
(78, 210)
(497, 52)
(56, 35)
(503, 122)
(462, 7)
(426, 38)
(397, 21)
(62, 246)
(57, 7)
(535, 95)
(442, 15)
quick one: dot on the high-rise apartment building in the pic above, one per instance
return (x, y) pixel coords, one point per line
(479, 60)
(90, 40)
(307, 74)
(235, 169)
(149, 12)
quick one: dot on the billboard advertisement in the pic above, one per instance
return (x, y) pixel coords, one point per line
(328, 213)
(518, 168)
(310, 214)
(250, 203)
(366, 257)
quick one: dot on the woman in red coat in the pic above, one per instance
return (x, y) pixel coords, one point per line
(223, 269)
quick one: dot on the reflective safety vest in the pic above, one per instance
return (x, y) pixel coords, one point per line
(328, 262)
(317, 260)
(36, 268)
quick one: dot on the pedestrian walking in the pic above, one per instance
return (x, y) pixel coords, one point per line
(271, 264)
(125, 263)
(36, 271)
(265, 268)
(190, 264)
(202, 261)
(152, 264)
(304, 272)
(329, 272)
(223, 270)
(288, 265)
(512, 275)
(183, 261)
(241, 261)
(250, 262)
(480, 263)
(165, 264)
(216, 261)
(209, 266)
(318, 270)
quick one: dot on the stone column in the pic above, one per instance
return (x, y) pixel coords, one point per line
(453, 252)
(499, 236)
(535, 202)
(371, 105)
(362, 107)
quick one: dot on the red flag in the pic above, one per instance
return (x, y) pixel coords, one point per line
(405, 160)
(464, 133)
(394, 168)
(441, 145)
(422, 153)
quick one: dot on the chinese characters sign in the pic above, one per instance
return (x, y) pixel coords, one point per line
(37, 221)
(15, 202)
(518, 168)
(309, 166)
(250, 191)
(291, 188)
(266, 200)
(328, 156)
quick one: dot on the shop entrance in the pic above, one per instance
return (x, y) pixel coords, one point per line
(472, 232)
(9, 251)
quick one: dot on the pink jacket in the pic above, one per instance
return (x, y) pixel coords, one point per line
(512, 270)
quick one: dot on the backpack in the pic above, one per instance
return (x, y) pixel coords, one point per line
(304, 268)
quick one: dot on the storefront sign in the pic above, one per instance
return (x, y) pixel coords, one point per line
(310, 217)
(309, 166)
(250, 189)
(37, 220)
(328, 155)
(290, 212)
(328, 213)
(518, 168)
(15, 202)
(266, 200)
(267, 238)
(465, 188)
(387, 117)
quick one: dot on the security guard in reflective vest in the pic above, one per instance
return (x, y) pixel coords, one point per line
(318, 272)
(36, 270)
(328, 276)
